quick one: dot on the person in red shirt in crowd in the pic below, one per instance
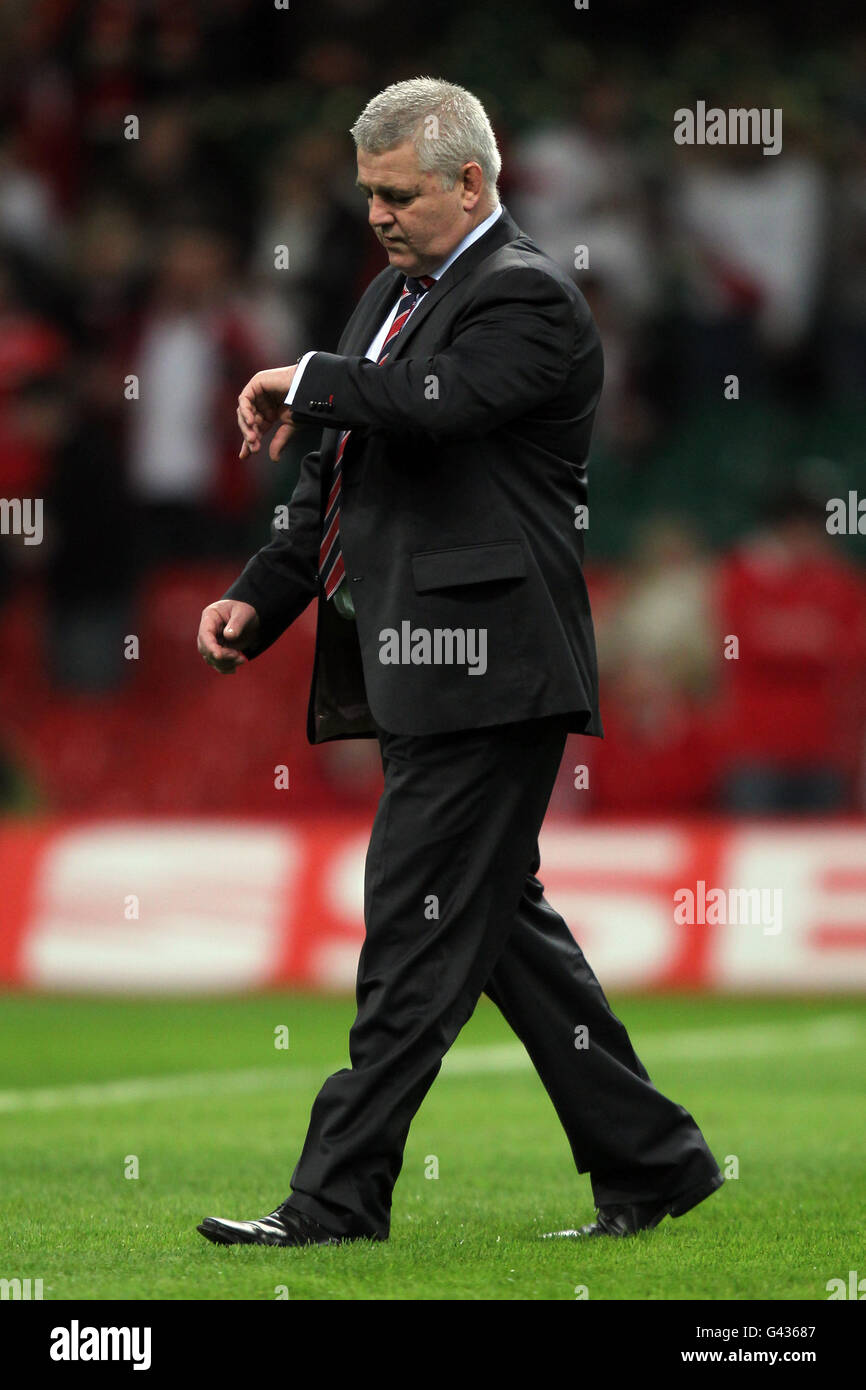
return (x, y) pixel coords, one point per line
(658, 654)
(792, 703)
(661, 752)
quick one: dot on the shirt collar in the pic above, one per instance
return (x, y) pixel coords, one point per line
(468, 241)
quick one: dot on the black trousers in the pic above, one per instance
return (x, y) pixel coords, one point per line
(453, 910)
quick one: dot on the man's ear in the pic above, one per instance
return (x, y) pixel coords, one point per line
(473, 184)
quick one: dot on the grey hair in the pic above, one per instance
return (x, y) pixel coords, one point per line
(448, 125)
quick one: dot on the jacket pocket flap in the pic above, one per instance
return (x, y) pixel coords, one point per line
(468, 564)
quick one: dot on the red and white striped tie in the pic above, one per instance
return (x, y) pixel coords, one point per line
(332, 571)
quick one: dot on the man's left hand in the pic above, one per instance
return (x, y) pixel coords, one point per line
(261, 405)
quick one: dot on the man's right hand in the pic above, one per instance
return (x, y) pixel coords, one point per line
(260, 405)
(226, 628)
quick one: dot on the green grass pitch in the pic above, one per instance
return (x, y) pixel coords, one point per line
(214, 1114)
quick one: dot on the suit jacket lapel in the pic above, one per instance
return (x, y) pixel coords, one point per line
(383, 292)
(368, 316)
(370, 313)
(504, 230)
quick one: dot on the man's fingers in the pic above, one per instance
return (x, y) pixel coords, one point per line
(213, 638)
(219, 652)
(253, 416)
(278, 443)
(250, 433)
(214, 651)
(281, 438)
(223, 627)
(259, 408)
(247, 403)
(221, 658)
(226, 663)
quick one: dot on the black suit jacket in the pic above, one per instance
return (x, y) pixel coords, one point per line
(466, 462)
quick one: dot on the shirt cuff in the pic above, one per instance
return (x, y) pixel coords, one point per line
(296, 379)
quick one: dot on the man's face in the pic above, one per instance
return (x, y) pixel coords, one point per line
(417, 221)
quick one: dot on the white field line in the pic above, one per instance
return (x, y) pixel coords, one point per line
(700, 1044)
(832, 1032)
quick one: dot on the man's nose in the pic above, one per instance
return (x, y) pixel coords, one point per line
(379, 215)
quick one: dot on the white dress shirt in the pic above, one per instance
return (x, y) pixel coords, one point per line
(375, 348)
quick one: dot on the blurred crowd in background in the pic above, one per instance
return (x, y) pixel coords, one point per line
(156, 259)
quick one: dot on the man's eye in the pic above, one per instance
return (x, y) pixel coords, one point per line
(396, 199)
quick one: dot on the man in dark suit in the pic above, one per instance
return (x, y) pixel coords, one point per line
(438, 527)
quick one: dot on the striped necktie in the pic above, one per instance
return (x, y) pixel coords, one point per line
(332, 571)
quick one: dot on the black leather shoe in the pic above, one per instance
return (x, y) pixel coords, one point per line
(281, 1227)
(627, 1219)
